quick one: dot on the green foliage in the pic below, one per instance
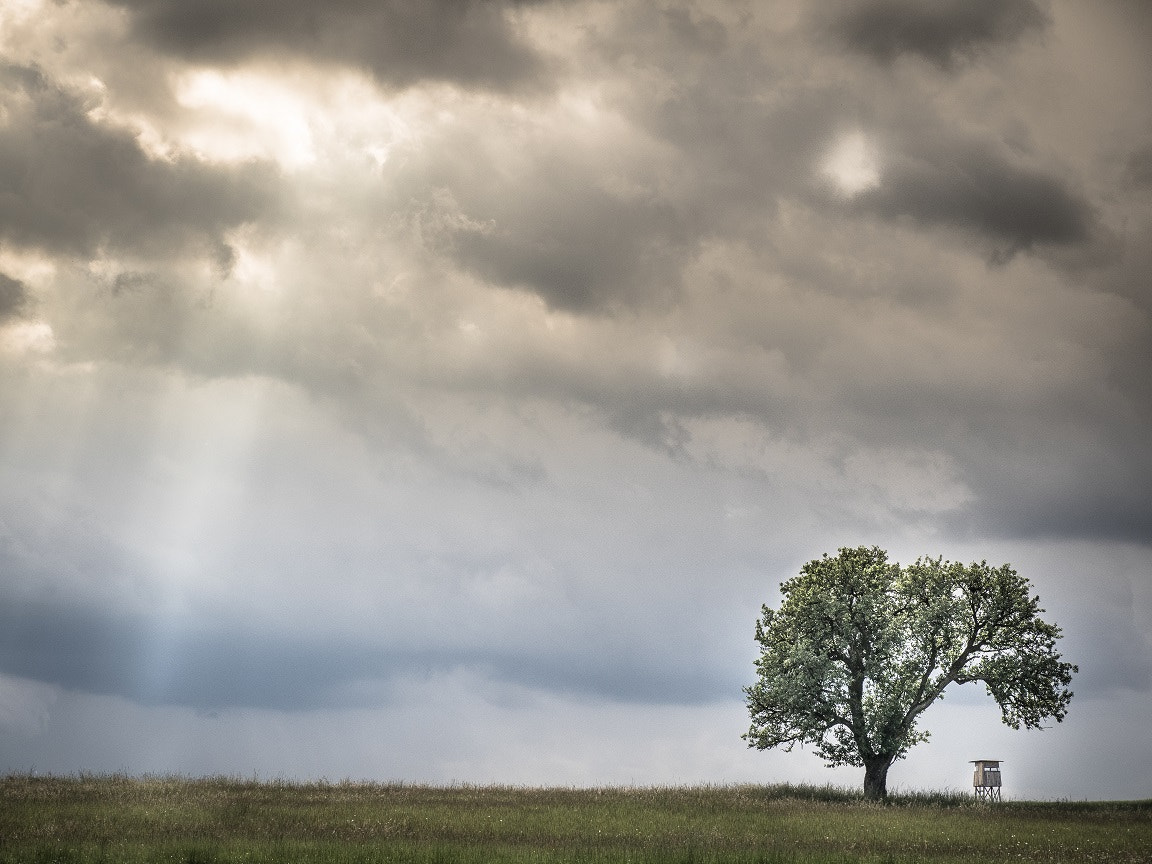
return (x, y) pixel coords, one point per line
(117, 820)
(860, 647)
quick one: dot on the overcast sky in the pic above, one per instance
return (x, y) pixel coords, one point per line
(434, 391)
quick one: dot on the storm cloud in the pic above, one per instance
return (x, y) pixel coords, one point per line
(975, 188)
(214, 668)
(473, 43)
(13, 296)
(941, 33)
(409, 373)
(72, 185)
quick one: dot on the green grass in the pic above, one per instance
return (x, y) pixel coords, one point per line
(166, 819)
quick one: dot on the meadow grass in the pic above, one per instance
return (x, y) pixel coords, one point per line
(196, 821)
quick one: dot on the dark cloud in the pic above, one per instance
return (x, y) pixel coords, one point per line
(1116, 647)
(13, 296)
(578, 247)
(581, 223)
(731, 149)
(71, 184)
(1092, 488)
(976, 188)
(1139, 166)
(941, 32)
(643, 34)
(166, 663)
(470, 42)
(207, 666)
(736, 155)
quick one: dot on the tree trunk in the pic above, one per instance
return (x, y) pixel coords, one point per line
(876, 777)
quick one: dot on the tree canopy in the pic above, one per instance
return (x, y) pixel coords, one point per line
(860, 647)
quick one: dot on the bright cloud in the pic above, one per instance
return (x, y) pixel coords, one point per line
(852, 164)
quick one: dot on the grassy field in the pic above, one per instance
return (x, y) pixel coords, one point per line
(121, 819)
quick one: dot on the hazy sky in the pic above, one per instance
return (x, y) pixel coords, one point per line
(435, 390)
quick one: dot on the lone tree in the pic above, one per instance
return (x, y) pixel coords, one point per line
(860, 647)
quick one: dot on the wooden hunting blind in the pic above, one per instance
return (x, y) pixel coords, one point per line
(986, 779)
